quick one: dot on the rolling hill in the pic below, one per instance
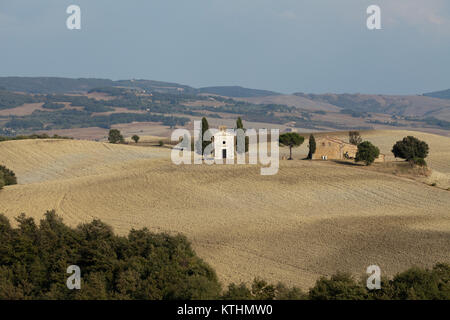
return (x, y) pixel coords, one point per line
(408, 106)
(309, 220)
(27, 107)
(444, 94)
(237, 92)
(46, 85)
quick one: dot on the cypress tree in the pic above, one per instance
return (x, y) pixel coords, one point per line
(240, 125)
(311, 146)
(205, 127)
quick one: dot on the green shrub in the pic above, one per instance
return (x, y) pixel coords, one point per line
(412, 284)
(260, 290)
(135, 138)
(2, 181)
(8, 176)
(410, 148)
(423, 284)
(115, 136)
(237, 292)
(367, 152)
(340, 286)
(284, 293)
(419, 162)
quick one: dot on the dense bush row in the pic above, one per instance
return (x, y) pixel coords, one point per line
(34, 261)
(413, 284)
(32, 136)
(53, 106)
(144, 265)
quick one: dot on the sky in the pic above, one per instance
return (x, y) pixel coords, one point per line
(313, 46)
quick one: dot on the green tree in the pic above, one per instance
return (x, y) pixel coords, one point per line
(2, 180)
(205, 127)
(200, 144)
(237, 292)
(261, 290)
(282, 292)
(311, 146)
(354, 137)
(411, 149)
(340, 286)
(240, 125)
(291, 140)
(367, 152)
(115, 136)
(419, 162)
(135, 138)
(423, 284)
(9, 177)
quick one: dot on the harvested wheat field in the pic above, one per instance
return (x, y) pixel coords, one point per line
(438, 158)
(311, 219)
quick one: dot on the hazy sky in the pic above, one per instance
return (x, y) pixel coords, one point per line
(282, 45)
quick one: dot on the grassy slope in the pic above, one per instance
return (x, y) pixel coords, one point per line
(311, 219)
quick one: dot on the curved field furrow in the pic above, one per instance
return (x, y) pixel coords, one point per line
(311, 219)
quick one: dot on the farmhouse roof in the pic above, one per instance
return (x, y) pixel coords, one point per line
(333, 139)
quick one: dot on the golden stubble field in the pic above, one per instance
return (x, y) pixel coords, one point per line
(311, 219)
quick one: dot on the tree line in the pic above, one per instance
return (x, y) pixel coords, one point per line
(66, 119)
(145, 265)
(32, 136)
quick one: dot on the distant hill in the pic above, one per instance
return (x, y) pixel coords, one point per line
(47, 85)
(237, 92)
(412, 106)
(444, 94)
(159, 86)
(51, 84)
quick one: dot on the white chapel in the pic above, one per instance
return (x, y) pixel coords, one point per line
(224, 144)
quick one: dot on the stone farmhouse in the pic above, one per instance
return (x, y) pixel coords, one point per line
(331, 148)
(328, 148)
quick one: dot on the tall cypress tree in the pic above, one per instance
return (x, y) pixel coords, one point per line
(205, 127)
(311, 146)
(240, 125)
